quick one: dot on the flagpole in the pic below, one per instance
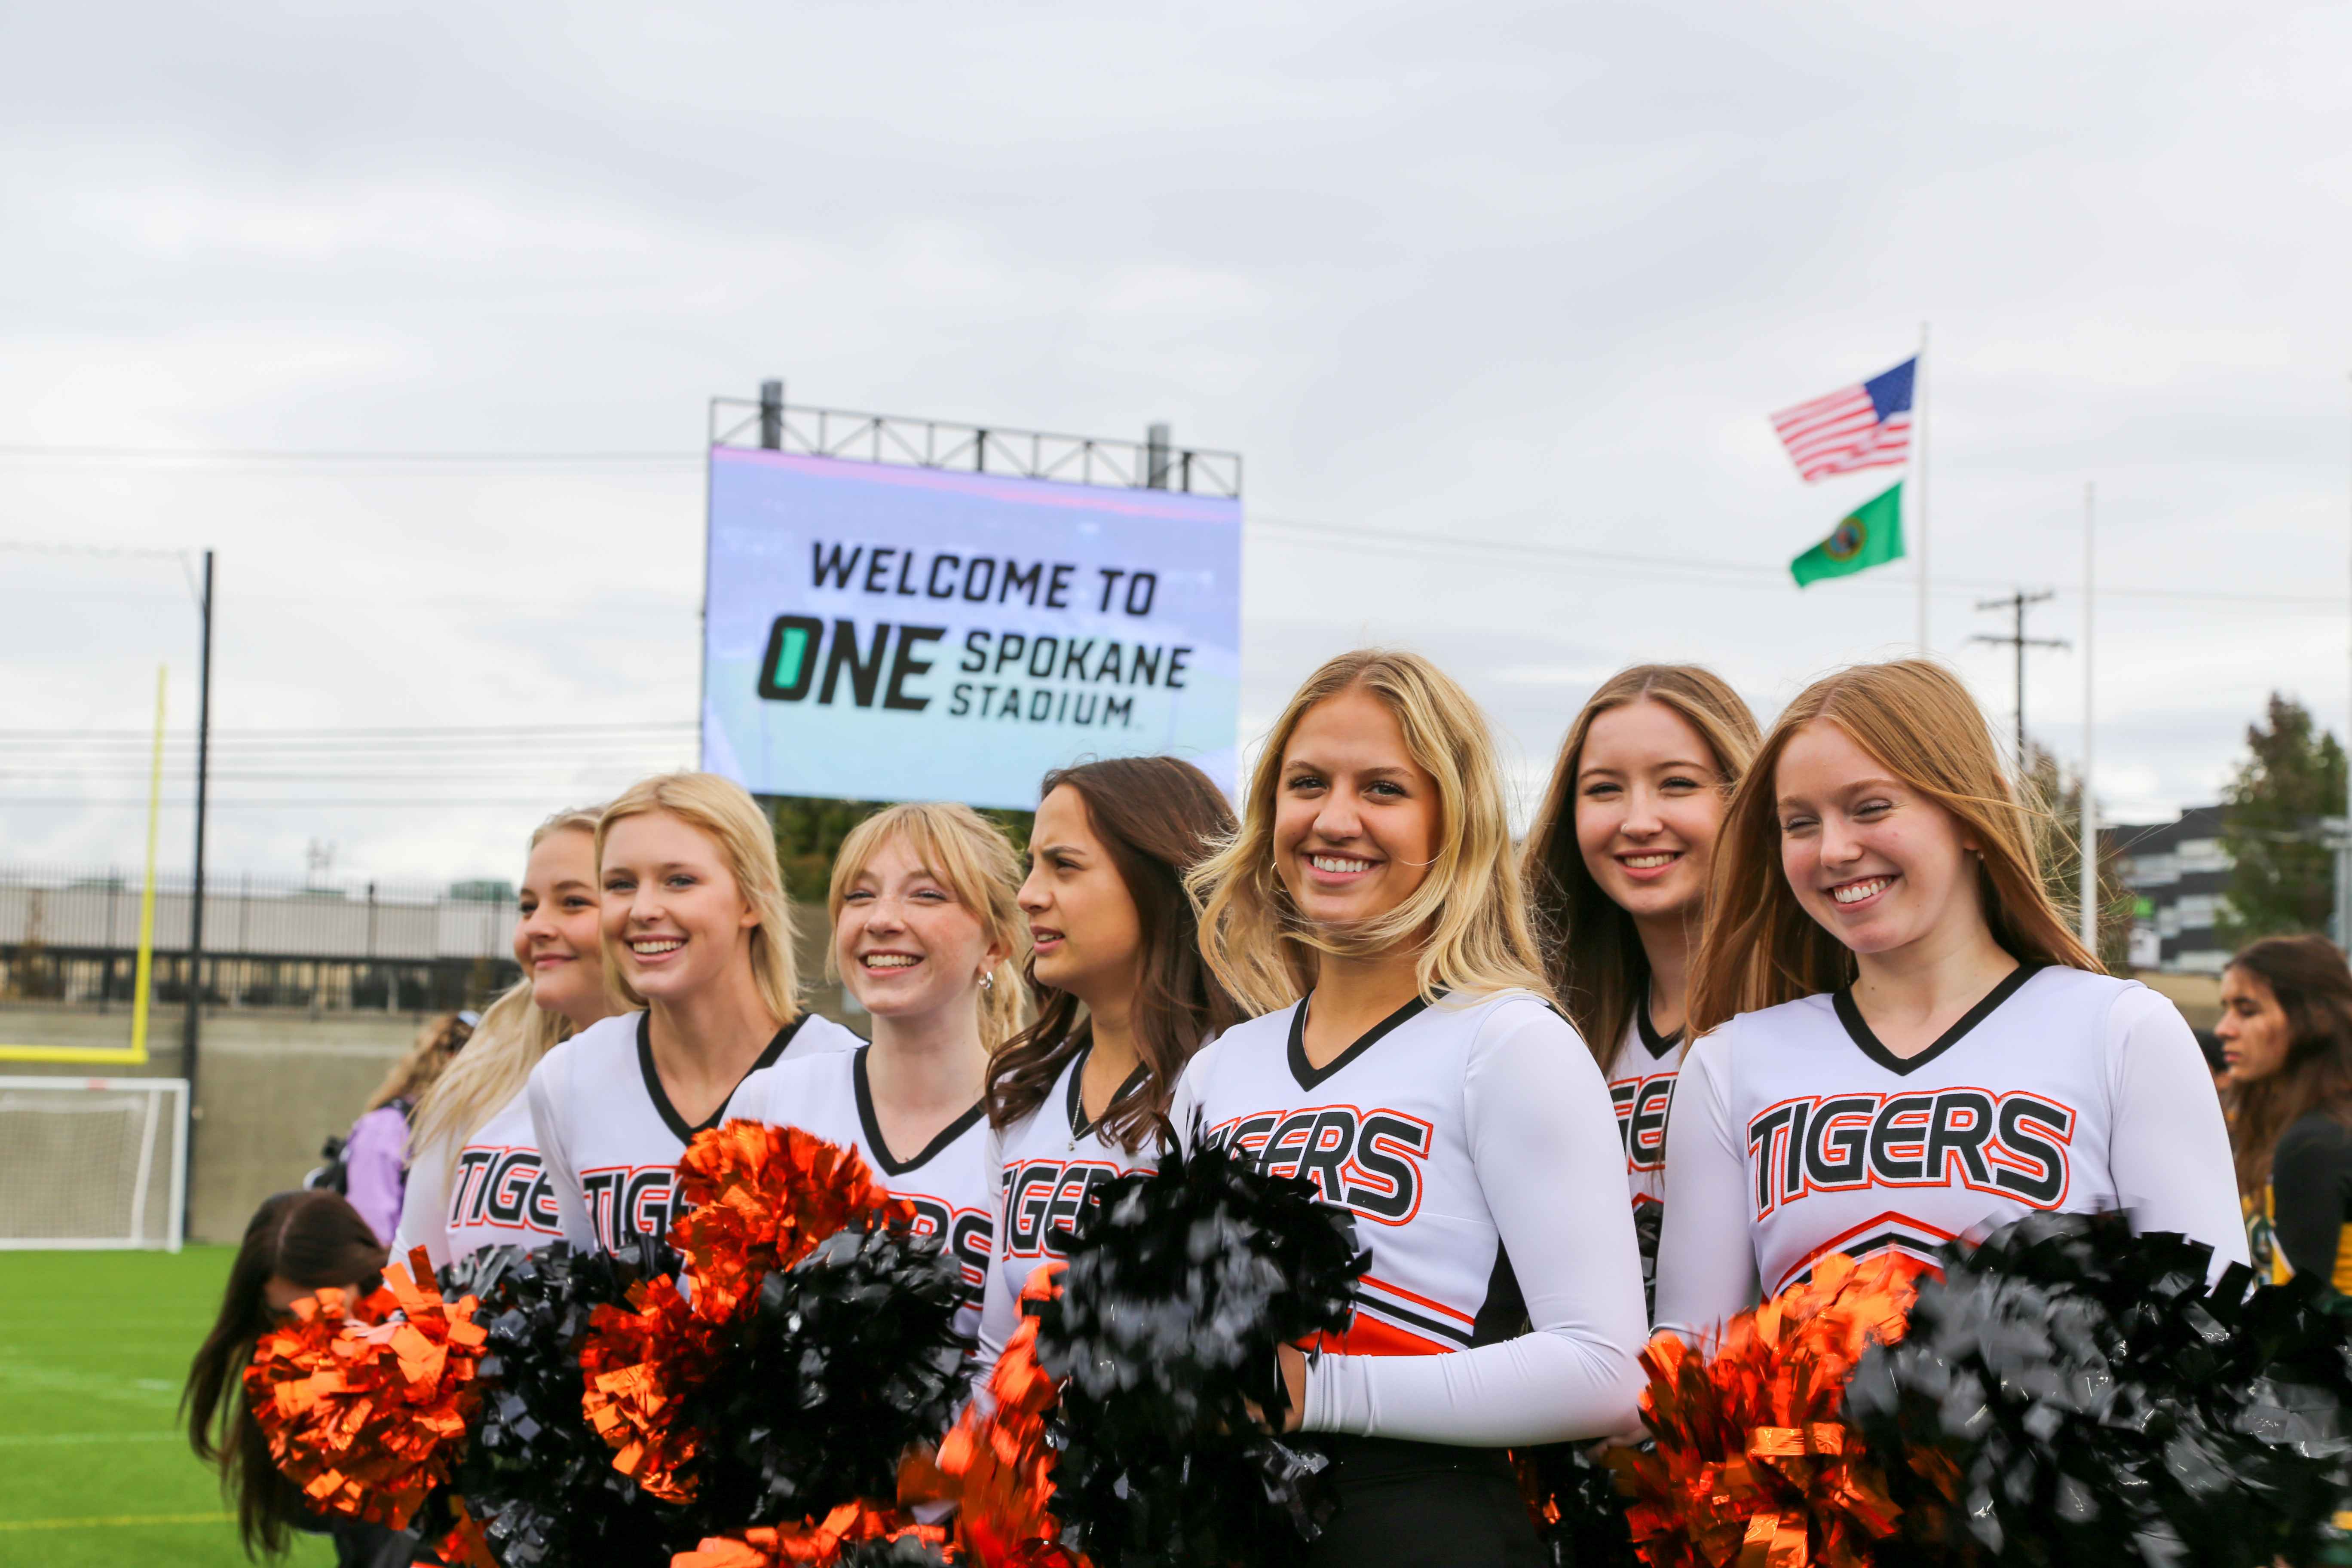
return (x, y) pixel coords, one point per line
(1919, 473)
(2089, 851)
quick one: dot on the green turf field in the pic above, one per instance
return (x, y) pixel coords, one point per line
(93, 1349)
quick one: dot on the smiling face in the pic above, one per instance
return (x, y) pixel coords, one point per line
(555, 937)
(1083, 929)
(674, 919)
(907, 947)
(1356, 819)
(1879, 865)
(1648, 802)
(2253, 1029)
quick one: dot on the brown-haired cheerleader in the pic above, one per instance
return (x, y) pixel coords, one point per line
(1904, 1042)
(1617, 866)
(1075, 1100)
(2286, 1033)
(1426, 1083)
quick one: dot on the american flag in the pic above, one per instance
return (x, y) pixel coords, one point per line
(1866, 426)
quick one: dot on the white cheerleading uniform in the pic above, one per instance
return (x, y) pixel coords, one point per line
(1043, 1172)
(1642, 1088)
(946, 1183)
(497, 1193)
(1797, 1134)
(610, 1137)
(1472, 1141)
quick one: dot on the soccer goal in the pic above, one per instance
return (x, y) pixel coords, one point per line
(92, 1162)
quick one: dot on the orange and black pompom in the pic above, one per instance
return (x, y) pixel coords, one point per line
(999, 1467)
(1753, 1463)
(855, 1535)
(367, 1417)
(638, 1363)
(761, 1197)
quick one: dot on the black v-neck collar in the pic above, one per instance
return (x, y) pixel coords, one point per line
(1657, 1044)
(668, 1112)
(1902, 1066)
(1309, 1076)
(891, 1164)
(1079, 1125)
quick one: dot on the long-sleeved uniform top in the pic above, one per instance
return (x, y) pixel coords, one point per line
(1474, 1142)
(1796, 1134)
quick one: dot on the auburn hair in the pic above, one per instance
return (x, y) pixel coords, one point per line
(1593, 952)
(1467, 919)
(2314, 988)
(311, 1238)
(971, 856)
(1760, 948)
(720, 809)
(1157, 818)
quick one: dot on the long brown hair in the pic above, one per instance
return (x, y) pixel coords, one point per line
(2314, 988)
(1467, 919)
(1158, 818)
(1915, 720)
(1592, 950)
(313, 1240)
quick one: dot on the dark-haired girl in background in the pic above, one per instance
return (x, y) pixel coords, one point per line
(2286, 1032)
(296, 1244)
(1071, 1102)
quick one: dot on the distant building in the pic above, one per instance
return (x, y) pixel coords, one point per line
(2177, 873)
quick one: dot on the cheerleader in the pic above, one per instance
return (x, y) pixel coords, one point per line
(2286, 1032)
(1904, 1042)
(475, 1179)
(697, 933)
(925, 931)
(1073, 1102)
(1617, 869)
(1424, 1082)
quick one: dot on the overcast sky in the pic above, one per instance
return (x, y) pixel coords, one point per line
(1531, 275)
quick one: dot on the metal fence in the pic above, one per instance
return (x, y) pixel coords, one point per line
(69, 937)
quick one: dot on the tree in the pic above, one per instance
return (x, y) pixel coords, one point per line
(2055, 804)
(809, 832)
(2283, 873)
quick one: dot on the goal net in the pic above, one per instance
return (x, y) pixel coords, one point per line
(92, 1162)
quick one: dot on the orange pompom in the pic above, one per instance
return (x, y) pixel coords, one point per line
(814, 1546)
(761, 1197)
(1752, 1463)
(999, 1467)
(366, 1415)
(638, 1366)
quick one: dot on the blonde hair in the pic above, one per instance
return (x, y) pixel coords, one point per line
(1593, 955)
(1916, 721)
(957, 846)
(513, 1034)
(720, 810)
(422, 1065)
(1467, 919)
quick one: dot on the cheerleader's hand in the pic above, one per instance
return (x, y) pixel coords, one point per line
(1290, 1364)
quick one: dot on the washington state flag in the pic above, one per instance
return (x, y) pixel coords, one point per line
(1869, 535)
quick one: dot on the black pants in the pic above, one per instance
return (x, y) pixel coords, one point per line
(1424, 1505)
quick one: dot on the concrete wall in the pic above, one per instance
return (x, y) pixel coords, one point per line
(273, 1086)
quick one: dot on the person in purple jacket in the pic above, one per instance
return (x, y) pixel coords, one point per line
(375, 1155)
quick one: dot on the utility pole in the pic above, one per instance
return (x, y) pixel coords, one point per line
(2016, 605)
(2089, 850)
(189, 1036)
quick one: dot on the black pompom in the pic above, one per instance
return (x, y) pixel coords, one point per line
(906, 1551)
(2073, 1394)
(849, 1359)
(1182, 1284)
(535, 1474)
(1579, 1512)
